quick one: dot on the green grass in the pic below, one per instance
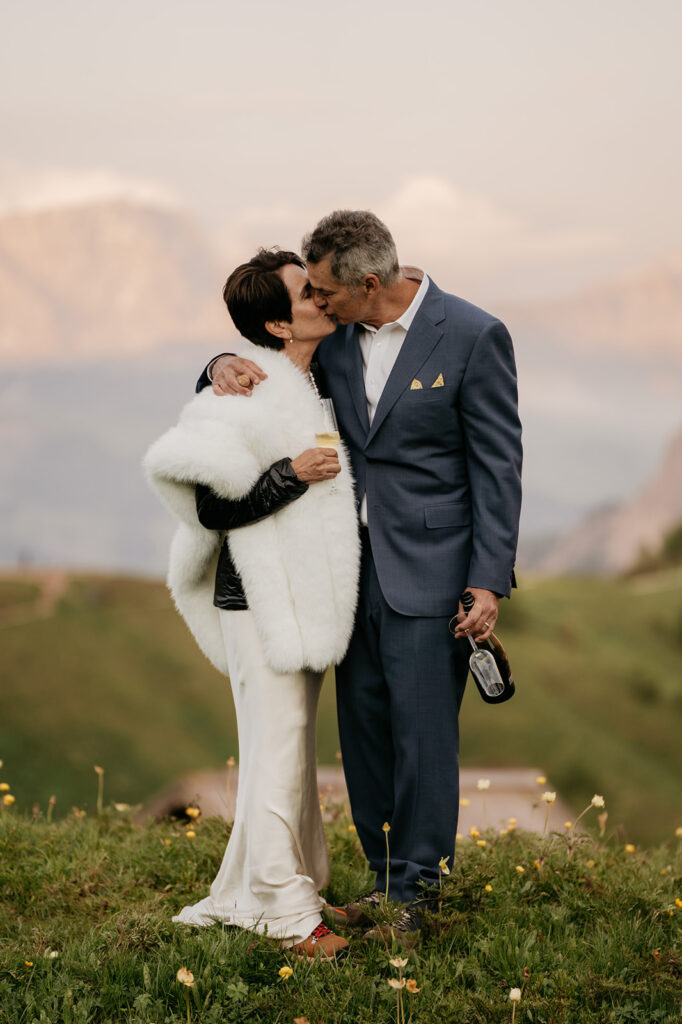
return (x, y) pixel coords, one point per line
(591, 933)
(114, 678)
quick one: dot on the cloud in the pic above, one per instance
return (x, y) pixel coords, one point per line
(23, 189)
(456, 234)
(430, 215)
(467, 241)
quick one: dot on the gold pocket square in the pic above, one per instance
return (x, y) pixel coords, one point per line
(416, 385)
(438, 382)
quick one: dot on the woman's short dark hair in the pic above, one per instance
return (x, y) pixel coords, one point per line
(255, 293)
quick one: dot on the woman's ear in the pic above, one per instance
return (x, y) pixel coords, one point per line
(278, 329)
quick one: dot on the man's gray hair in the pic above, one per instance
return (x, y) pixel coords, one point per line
(359, 244)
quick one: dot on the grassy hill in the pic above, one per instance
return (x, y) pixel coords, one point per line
(587, 931)
(102, 671)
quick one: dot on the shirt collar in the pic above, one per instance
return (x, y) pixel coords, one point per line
(405, 321)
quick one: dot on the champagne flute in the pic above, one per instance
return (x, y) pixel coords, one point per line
(329, 437)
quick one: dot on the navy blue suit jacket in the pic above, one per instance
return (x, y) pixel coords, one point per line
(441, 466)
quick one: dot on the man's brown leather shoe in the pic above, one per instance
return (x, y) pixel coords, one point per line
(403, 932)
(321, 944)
(354, 915)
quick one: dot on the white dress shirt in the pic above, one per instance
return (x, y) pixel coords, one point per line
(379, 348)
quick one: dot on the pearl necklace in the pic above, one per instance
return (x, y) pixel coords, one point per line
(314, 385)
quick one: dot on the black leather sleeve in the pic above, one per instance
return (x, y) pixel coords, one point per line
(275, 489)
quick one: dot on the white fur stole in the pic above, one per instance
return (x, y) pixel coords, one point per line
(300, 566)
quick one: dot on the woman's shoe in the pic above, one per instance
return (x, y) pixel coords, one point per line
(321, 944)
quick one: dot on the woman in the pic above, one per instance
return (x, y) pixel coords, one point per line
(264, 568)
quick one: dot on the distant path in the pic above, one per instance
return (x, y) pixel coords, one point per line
(52, 585)
(513, 793)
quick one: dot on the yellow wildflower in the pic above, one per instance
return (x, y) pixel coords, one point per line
(629, 848)
(185, 977)
(590, 863)
(397, 983)
(411, 986)
(513, 821)
(352, 828)
(5, 787)
(515, 995)
(541, 780)
(481, 842)
(568, 824)
(193, 812)
(122, 807)
(521, 870)
(597, 800)
(443, 865)
(473, 832)
(8, 799)
(285, 972)
(488, 887)
(398, 961)
(678, 902)
(458, 837)
(504, 831)
(167, 842)
(537, 865)
(29, 963)
(678, 832)
(386, 827)
(548, 797)
(464, 802)
(230, 762)
(190, 833)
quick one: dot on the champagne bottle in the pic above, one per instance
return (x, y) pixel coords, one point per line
(489, 663)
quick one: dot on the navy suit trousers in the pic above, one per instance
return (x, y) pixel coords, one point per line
(399, 691)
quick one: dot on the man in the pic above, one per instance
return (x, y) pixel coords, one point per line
(424, 388)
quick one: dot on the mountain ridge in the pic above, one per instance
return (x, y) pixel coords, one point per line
(610, 539)
(114, 276)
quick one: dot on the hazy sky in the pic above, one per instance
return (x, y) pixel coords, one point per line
(520, 148)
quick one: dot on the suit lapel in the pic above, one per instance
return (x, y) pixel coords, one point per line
(356, 383)
(422, 337)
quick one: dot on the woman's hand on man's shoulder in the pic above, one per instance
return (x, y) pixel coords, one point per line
(234, 375)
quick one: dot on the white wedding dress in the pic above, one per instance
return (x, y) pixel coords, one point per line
(276, 858)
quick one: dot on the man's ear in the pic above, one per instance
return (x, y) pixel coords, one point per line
(278, 329)
(370, 284)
